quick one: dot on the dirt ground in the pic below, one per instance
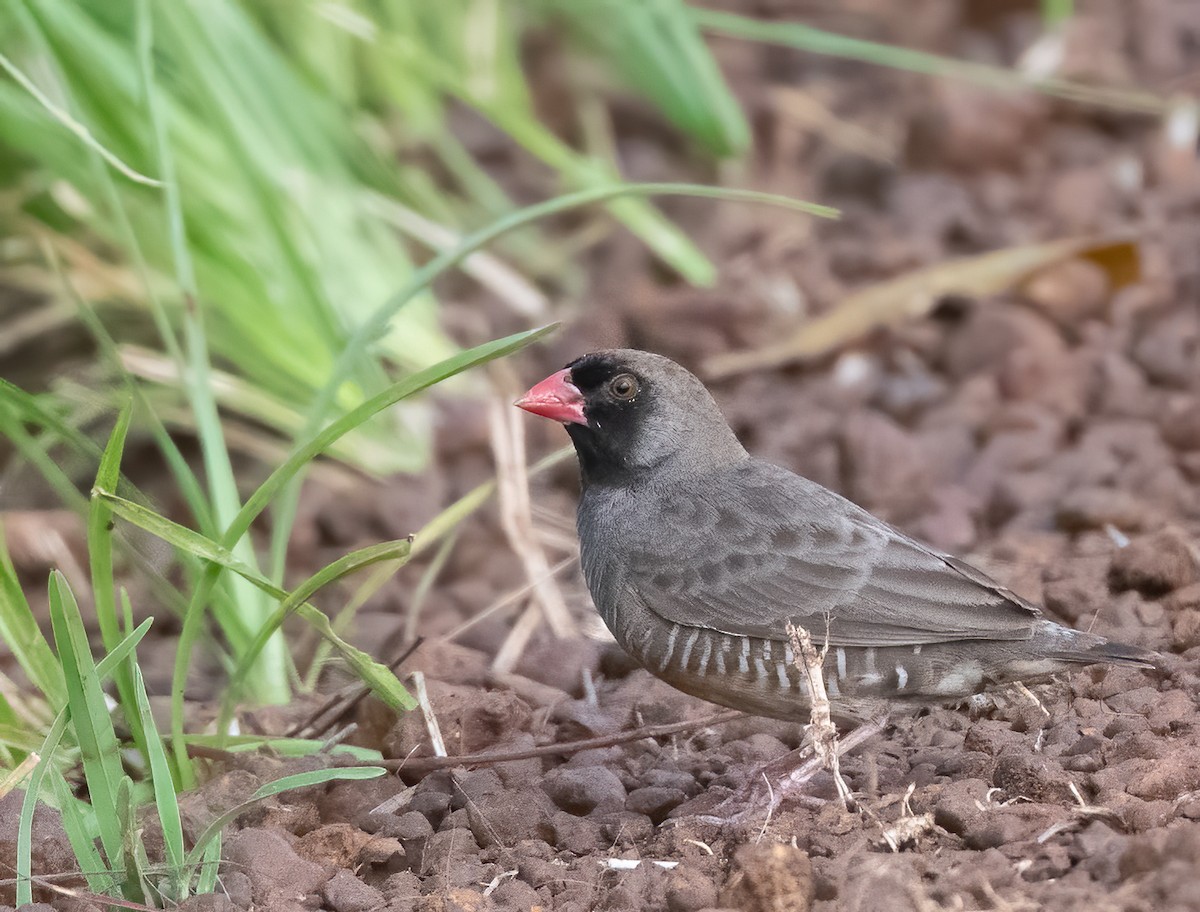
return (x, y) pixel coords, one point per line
(1051, 434)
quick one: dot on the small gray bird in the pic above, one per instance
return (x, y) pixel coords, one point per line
(698, 555)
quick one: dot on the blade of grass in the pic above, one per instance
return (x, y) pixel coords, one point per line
(34, 452)
(24, 863)
(385, 684)
(100, 557)
(165, 798)
(394, 551)
(21, 635)
(817, 41)
(269, 676)
(209, 866)
(64, 118)
(285, 747)
(656, 48)
(93, 726)
(299, 780)
(80, 835)
(282, 477)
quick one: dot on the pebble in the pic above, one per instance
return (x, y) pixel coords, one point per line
(581, 790)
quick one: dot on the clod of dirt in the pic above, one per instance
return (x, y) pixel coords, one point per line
(962, 127)
(346, 846)
(205, 902)
(960, 805)
(346, 893)
(656, 802)
(1167, 352)
(278, 874)
(689, 890)
(770, 878)
(578, 835)
(516, 894)
(884, 465)
(581, 790)
(509, 815)
(1152, 565)
(1069, 292)
(1095, 507)
(1035, 776)
(401, 888)
(453, 856)
(51, 850)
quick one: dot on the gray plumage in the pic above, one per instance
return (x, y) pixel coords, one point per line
(697, 555)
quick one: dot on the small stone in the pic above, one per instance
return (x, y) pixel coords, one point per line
(274, 867)
(654, 801)
(581, 790)
(1083, 509)
(1185, 630)
(346, 893)
(410, 825)
(1029, 775)
(577, 835)
(1152, 565)
(689, 890)
(516, 894)
(205, 902)
(453, 850)
(774, 878)
(1069, 292)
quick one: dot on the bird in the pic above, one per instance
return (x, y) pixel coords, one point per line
(698, 555)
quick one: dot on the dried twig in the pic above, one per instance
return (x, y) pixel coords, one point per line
(429, 764)
(820, 726)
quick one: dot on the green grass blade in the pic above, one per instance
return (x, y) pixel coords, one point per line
(80, 836)
(90, 718)
(100, 534)
(397, 551)
(73, 125)
(165, 798)
(381, 680)
(299, 780)
(655, 46)
(409, 386)
(24, 864)
(285, 747)
(21, 635)
(100, 557)
(270, 679)
(209, 866)
(35, 453)
(817, 41)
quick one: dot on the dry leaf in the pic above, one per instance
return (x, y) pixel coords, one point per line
(914, 295)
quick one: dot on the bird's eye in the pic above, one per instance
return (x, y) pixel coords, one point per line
(624, 387)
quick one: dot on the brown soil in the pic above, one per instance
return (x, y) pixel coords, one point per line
(1035, 432)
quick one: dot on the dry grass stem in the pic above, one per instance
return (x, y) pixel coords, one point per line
(516, 518)
(811, 662)
(431, 722)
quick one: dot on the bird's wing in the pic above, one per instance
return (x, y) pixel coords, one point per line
(764, 547)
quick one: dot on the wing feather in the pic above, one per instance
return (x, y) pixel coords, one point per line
(760, 546)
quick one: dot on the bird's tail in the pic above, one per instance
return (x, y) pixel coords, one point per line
(1067, 645)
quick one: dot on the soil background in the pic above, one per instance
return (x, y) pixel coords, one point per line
(1051, 435)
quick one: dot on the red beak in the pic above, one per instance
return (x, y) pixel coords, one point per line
(556, 398)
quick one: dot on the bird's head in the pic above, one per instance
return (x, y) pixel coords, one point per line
(629, 412)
